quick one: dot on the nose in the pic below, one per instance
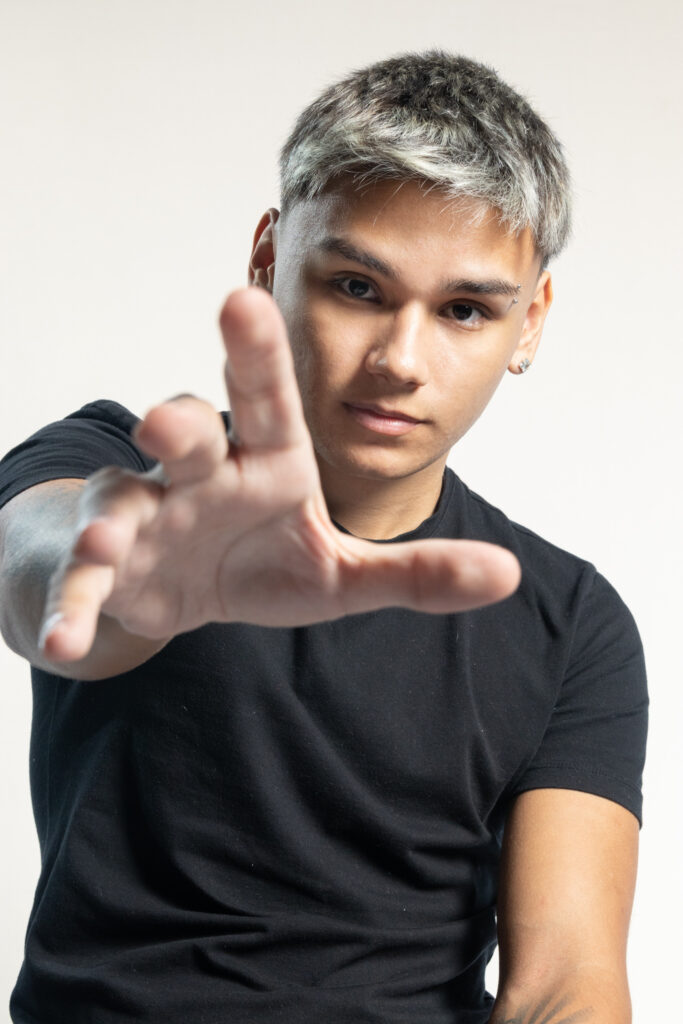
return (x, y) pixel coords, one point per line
(398, 352)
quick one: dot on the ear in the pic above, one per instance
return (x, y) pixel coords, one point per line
(262, 263)
(533, 324)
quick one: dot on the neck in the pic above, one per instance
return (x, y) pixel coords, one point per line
(379, 509)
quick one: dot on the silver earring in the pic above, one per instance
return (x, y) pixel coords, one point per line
(523, 366)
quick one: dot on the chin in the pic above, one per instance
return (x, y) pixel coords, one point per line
(376, 462)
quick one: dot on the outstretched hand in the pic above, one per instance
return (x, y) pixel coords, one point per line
(225, 532)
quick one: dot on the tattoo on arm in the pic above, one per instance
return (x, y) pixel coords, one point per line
(548, 1011)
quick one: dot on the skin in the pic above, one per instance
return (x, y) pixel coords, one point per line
(566, 890)
(397, 342)
(347, 396)
(244, 533)
(383, 330)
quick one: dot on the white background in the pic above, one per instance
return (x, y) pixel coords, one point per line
(138, 148)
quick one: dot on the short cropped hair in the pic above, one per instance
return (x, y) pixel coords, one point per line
(442, 119)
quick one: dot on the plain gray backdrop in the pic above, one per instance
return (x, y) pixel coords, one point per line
(138, 144)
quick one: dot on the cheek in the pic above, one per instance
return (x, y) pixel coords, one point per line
(298, 334)
(480, 358)
(324, 350)
(289, 294)
(466, 374)
(314, 362)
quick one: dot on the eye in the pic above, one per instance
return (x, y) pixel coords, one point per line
(356, 288)
(464, 313)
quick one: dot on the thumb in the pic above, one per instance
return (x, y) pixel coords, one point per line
(437, 576)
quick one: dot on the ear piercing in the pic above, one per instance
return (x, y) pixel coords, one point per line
(524, 365)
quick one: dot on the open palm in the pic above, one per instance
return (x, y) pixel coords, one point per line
(240, 531)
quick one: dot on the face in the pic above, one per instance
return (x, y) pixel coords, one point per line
(404, 311)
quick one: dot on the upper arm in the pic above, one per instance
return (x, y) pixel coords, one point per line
(566, 891)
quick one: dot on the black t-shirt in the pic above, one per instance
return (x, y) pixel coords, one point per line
(304, 825)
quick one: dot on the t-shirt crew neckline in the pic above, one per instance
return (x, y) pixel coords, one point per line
(428, 527)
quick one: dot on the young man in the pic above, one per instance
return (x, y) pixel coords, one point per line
(282, 769)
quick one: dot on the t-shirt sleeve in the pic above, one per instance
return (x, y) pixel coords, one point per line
(97, 435)
(595, 739)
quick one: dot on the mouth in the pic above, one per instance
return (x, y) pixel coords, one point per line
(381, 420)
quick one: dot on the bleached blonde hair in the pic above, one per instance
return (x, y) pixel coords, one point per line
(442, 119)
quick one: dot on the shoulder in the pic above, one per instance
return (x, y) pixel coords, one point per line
(541, 560)
(104, 411)
(96, 435)
(102, 416)
(563, 594)
(571, 648)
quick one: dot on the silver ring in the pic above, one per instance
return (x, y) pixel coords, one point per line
(157, 474)
(233, 437)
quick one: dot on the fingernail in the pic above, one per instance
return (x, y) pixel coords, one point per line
(50, 622)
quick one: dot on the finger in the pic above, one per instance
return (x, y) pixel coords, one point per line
(113, 507)
(107, 540)
(437, 576)
(72, 611)
(264, 397)
(187, 435)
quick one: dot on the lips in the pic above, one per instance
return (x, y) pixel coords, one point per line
(380, 420)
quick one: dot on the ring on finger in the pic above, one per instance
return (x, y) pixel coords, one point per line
(157, 474)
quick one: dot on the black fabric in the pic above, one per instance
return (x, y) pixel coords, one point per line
(304, 825)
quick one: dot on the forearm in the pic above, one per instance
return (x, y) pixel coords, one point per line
(575, 997)
(37, 529)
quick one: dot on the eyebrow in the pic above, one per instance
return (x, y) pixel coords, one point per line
(494, 286)
(352, 252)
(490, 286)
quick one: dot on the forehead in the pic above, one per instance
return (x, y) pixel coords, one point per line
(408, 223)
